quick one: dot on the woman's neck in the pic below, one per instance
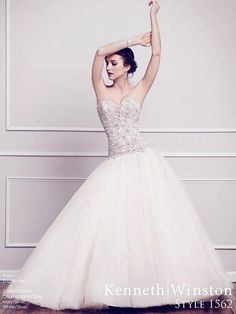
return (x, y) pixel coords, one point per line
(121, 85)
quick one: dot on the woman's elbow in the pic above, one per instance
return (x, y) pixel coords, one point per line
(156, 52)
(99, 51)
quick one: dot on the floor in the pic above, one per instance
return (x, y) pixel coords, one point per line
(222, 306)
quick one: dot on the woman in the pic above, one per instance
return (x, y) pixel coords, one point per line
(120, 62)
(129, 237)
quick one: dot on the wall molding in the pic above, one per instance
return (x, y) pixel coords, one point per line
(9, 127)
(9, 244)
(104, 154)
(101, 130)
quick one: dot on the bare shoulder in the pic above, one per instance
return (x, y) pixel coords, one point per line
(108, 92)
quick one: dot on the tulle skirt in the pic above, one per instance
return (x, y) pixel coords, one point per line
(128, 237)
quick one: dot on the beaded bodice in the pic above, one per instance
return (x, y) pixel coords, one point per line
(121, 124)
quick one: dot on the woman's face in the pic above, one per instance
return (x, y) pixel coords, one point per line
(115, 67)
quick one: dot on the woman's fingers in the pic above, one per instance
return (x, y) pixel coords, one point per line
(152, 2)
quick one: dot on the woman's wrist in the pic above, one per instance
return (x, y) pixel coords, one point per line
(152, 15)
(132, 41)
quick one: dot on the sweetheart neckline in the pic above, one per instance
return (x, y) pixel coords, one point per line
(119, 105)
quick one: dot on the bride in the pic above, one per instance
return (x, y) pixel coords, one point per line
(129, 236)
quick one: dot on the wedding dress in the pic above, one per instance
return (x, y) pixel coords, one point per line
(128, 237)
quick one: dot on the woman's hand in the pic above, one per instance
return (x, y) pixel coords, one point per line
(155, 6)
(144, 39)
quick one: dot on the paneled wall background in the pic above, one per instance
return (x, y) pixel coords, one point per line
(51, 138)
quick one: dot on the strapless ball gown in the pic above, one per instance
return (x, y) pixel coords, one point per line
(128, 237)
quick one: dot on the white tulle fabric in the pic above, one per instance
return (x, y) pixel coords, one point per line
(131, 224)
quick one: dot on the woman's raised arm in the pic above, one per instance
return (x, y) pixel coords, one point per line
(101, 53)
(154, 62)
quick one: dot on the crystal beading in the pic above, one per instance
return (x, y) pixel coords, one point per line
(121, 124)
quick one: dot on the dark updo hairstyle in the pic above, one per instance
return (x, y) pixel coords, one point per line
(128, 59)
